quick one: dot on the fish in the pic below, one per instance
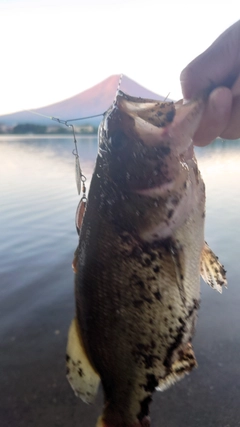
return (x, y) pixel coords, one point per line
(140, 256)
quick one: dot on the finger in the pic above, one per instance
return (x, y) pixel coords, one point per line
(232, 130)
(236, 87)
(216, 116)
(217, 66)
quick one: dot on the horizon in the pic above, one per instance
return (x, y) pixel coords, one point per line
(43, 65)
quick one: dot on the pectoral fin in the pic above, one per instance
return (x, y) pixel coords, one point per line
(82, 377)
(212, 271)
(185, 362)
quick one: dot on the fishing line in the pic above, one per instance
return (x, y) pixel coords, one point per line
(61, 121)
(80, 178)
(118, 88)
(166, 97)
(83, 118)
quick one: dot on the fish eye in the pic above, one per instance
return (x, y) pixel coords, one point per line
(118, 139)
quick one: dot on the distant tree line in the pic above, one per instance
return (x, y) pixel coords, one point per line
(31, 128)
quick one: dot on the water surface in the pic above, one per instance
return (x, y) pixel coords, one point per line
(37, 241)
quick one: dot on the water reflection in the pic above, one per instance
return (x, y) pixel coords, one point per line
(38, 204)
(220, 167)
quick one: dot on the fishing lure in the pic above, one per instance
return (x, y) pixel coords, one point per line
(80, 178)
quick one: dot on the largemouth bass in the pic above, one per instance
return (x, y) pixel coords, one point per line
(140, 255)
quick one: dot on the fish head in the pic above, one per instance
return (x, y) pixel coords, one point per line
(148, 153)
(137, 134)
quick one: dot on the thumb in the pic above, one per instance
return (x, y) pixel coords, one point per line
(218, 66)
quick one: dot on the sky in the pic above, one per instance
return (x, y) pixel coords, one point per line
(54, 49)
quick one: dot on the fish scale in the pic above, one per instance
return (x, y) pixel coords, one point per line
(140, 331)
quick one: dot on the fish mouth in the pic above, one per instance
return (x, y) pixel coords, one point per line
(155, 113)
(153, 122)
(139, 118)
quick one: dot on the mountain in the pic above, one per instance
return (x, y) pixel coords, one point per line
(92, 101)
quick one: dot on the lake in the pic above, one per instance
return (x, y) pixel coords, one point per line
(37, 241)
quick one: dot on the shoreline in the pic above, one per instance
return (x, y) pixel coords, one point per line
(44, 135)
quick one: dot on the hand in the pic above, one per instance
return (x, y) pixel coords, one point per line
(216, 72)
